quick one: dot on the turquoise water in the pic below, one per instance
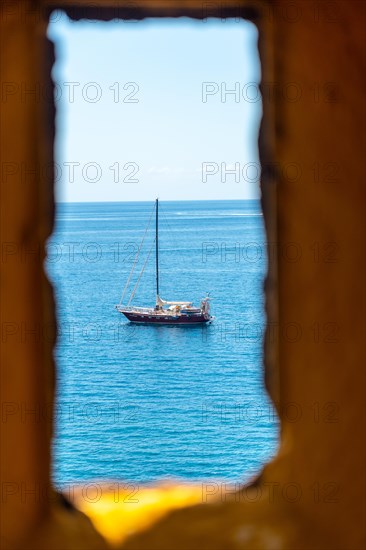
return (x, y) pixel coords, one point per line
(140, 403)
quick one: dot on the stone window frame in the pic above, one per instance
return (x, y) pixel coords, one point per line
(319, 49)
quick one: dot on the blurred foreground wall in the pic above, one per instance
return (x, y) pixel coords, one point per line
(312, 150)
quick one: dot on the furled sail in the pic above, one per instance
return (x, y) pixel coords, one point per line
(161, 302)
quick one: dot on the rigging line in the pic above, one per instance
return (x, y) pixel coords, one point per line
(136, 258)
(162, 211)
(172, 234)
(142, 270)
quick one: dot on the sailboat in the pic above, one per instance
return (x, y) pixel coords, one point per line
(165, 312)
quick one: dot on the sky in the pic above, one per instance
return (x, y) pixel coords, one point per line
(144, 109)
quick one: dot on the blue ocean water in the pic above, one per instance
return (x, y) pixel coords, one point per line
(140, 403)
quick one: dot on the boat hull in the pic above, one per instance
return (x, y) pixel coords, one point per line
(147, 319)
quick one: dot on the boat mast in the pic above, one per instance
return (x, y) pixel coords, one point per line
(157, 249)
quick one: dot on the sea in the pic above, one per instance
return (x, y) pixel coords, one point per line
(145, 403)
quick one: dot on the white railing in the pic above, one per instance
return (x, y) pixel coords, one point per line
(133, 308)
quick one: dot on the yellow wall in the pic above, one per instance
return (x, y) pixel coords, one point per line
(317, 382)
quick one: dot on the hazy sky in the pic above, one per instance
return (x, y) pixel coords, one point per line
(142, 110)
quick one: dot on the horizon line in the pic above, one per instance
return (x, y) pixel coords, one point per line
(152, 200)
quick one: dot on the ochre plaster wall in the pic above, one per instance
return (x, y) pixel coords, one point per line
(314, 373)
